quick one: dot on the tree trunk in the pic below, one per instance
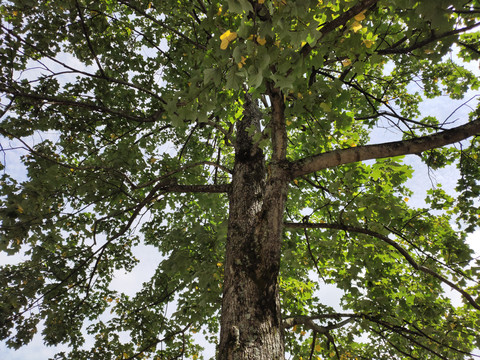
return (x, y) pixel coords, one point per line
(251, 325)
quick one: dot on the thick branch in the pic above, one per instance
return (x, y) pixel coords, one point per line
(355, 154)
(220, 188)
(397, 247)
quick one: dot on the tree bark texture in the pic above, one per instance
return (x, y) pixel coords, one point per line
(251, 326)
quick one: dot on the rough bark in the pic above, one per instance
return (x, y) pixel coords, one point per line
(251, 325)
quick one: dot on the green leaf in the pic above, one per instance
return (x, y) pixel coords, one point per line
(239, 6)
(210, 75)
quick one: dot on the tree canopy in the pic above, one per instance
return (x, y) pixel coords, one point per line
(240, 139)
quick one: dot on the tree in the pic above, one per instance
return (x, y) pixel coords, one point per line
(233, 136)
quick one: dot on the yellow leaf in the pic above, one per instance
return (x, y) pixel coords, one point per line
(261, 1)
(288, 122)
(19, 209)
(219, 11)
(294, 328)
(318, 347)
(356, 26)
(368, 43)
(261, 41)
(303, 332)
(226, 38)
(219, 264)
(429, 51)
(346, 62)
(224, 44)
(242, 62)
(228, 35)
(295, 181)
(406, 199)
(15, 12)
(360, 17)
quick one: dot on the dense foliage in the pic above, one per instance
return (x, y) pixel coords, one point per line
(128, 112)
